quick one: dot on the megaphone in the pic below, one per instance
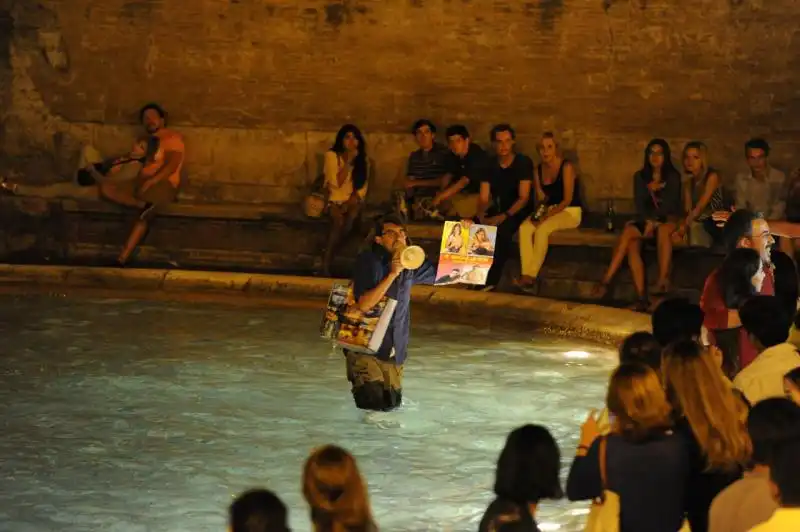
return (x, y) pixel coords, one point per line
(411, 257)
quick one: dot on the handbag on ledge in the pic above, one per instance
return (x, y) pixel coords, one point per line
(315, 202)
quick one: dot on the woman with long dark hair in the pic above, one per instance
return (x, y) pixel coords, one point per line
(657, 193)
(740, 278)
(346, 173)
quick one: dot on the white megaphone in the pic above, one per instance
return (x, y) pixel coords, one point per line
(411, 257)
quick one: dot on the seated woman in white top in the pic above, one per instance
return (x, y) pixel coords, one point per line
(346, 171)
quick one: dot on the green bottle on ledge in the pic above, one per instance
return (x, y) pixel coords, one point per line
(610, 216)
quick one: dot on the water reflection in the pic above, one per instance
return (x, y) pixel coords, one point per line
(128, 416)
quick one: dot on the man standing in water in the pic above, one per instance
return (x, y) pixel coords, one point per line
(377, 380)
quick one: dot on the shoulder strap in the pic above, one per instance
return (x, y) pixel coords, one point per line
(603, 474)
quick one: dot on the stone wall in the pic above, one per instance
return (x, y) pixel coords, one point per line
(259, 87)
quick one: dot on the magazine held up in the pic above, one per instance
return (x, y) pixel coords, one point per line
(465, 256)
(466, 253)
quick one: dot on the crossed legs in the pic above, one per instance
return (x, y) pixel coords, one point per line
(630, 246)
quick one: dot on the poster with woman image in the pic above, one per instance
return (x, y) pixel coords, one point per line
(466, 253)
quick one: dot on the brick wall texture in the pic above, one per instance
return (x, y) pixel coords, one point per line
(259, 87)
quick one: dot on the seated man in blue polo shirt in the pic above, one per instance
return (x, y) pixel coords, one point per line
(377, 380)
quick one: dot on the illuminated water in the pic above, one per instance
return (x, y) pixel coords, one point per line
(122, 416)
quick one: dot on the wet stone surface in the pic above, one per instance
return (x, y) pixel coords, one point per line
(146, 416)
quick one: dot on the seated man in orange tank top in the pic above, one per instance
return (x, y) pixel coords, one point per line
(156, 184)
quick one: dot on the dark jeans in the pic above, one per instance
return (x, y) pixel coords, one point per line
(504, 246)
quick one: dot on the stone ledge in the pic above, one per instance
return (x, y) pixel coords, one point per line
(609, 325)
(281, 211)
(231, 211)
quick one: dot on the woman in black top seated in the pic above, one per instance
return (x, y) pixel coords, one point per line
(527, 472)
(657, 193)
(646, 465)
(711, 419)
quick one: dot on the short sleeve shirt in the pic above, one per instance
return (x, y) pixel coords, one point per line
(504, 182)
(474, 166)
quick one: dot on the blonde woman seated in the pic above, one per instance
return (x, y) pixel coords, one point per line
(557, 189)
(702, 198)
(645, 464)
(336, 493)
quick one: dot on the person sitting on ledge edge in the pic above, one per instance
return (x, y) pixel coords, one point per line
(468, 166)
(147, 179)
(657, 194)
(157, 183)
(346, 168)
(427, 168)
(377, 380)
(558, 196)
(504, 199)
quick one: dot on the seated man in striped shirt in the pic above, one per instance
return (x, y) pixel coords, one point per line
(427, 166)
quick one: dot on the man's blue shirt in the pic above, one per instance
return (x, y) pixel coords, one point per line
(372, 266)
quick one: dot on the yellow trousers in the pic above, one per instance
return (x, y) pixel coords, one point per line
(535, 239)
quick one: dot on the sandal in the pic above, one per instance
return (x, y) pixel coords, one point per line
(528, 288)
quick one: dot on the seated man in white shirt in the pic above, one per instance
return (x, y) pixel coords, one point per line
(784, 472)
(765, 320)
(762, 188)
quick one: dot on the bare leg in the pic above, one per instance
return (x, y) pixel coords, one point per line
(335, 234)
(636, 264)
(664, 243)
(136, 236)
(120, 195)
(349, 219)
(629, 234)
